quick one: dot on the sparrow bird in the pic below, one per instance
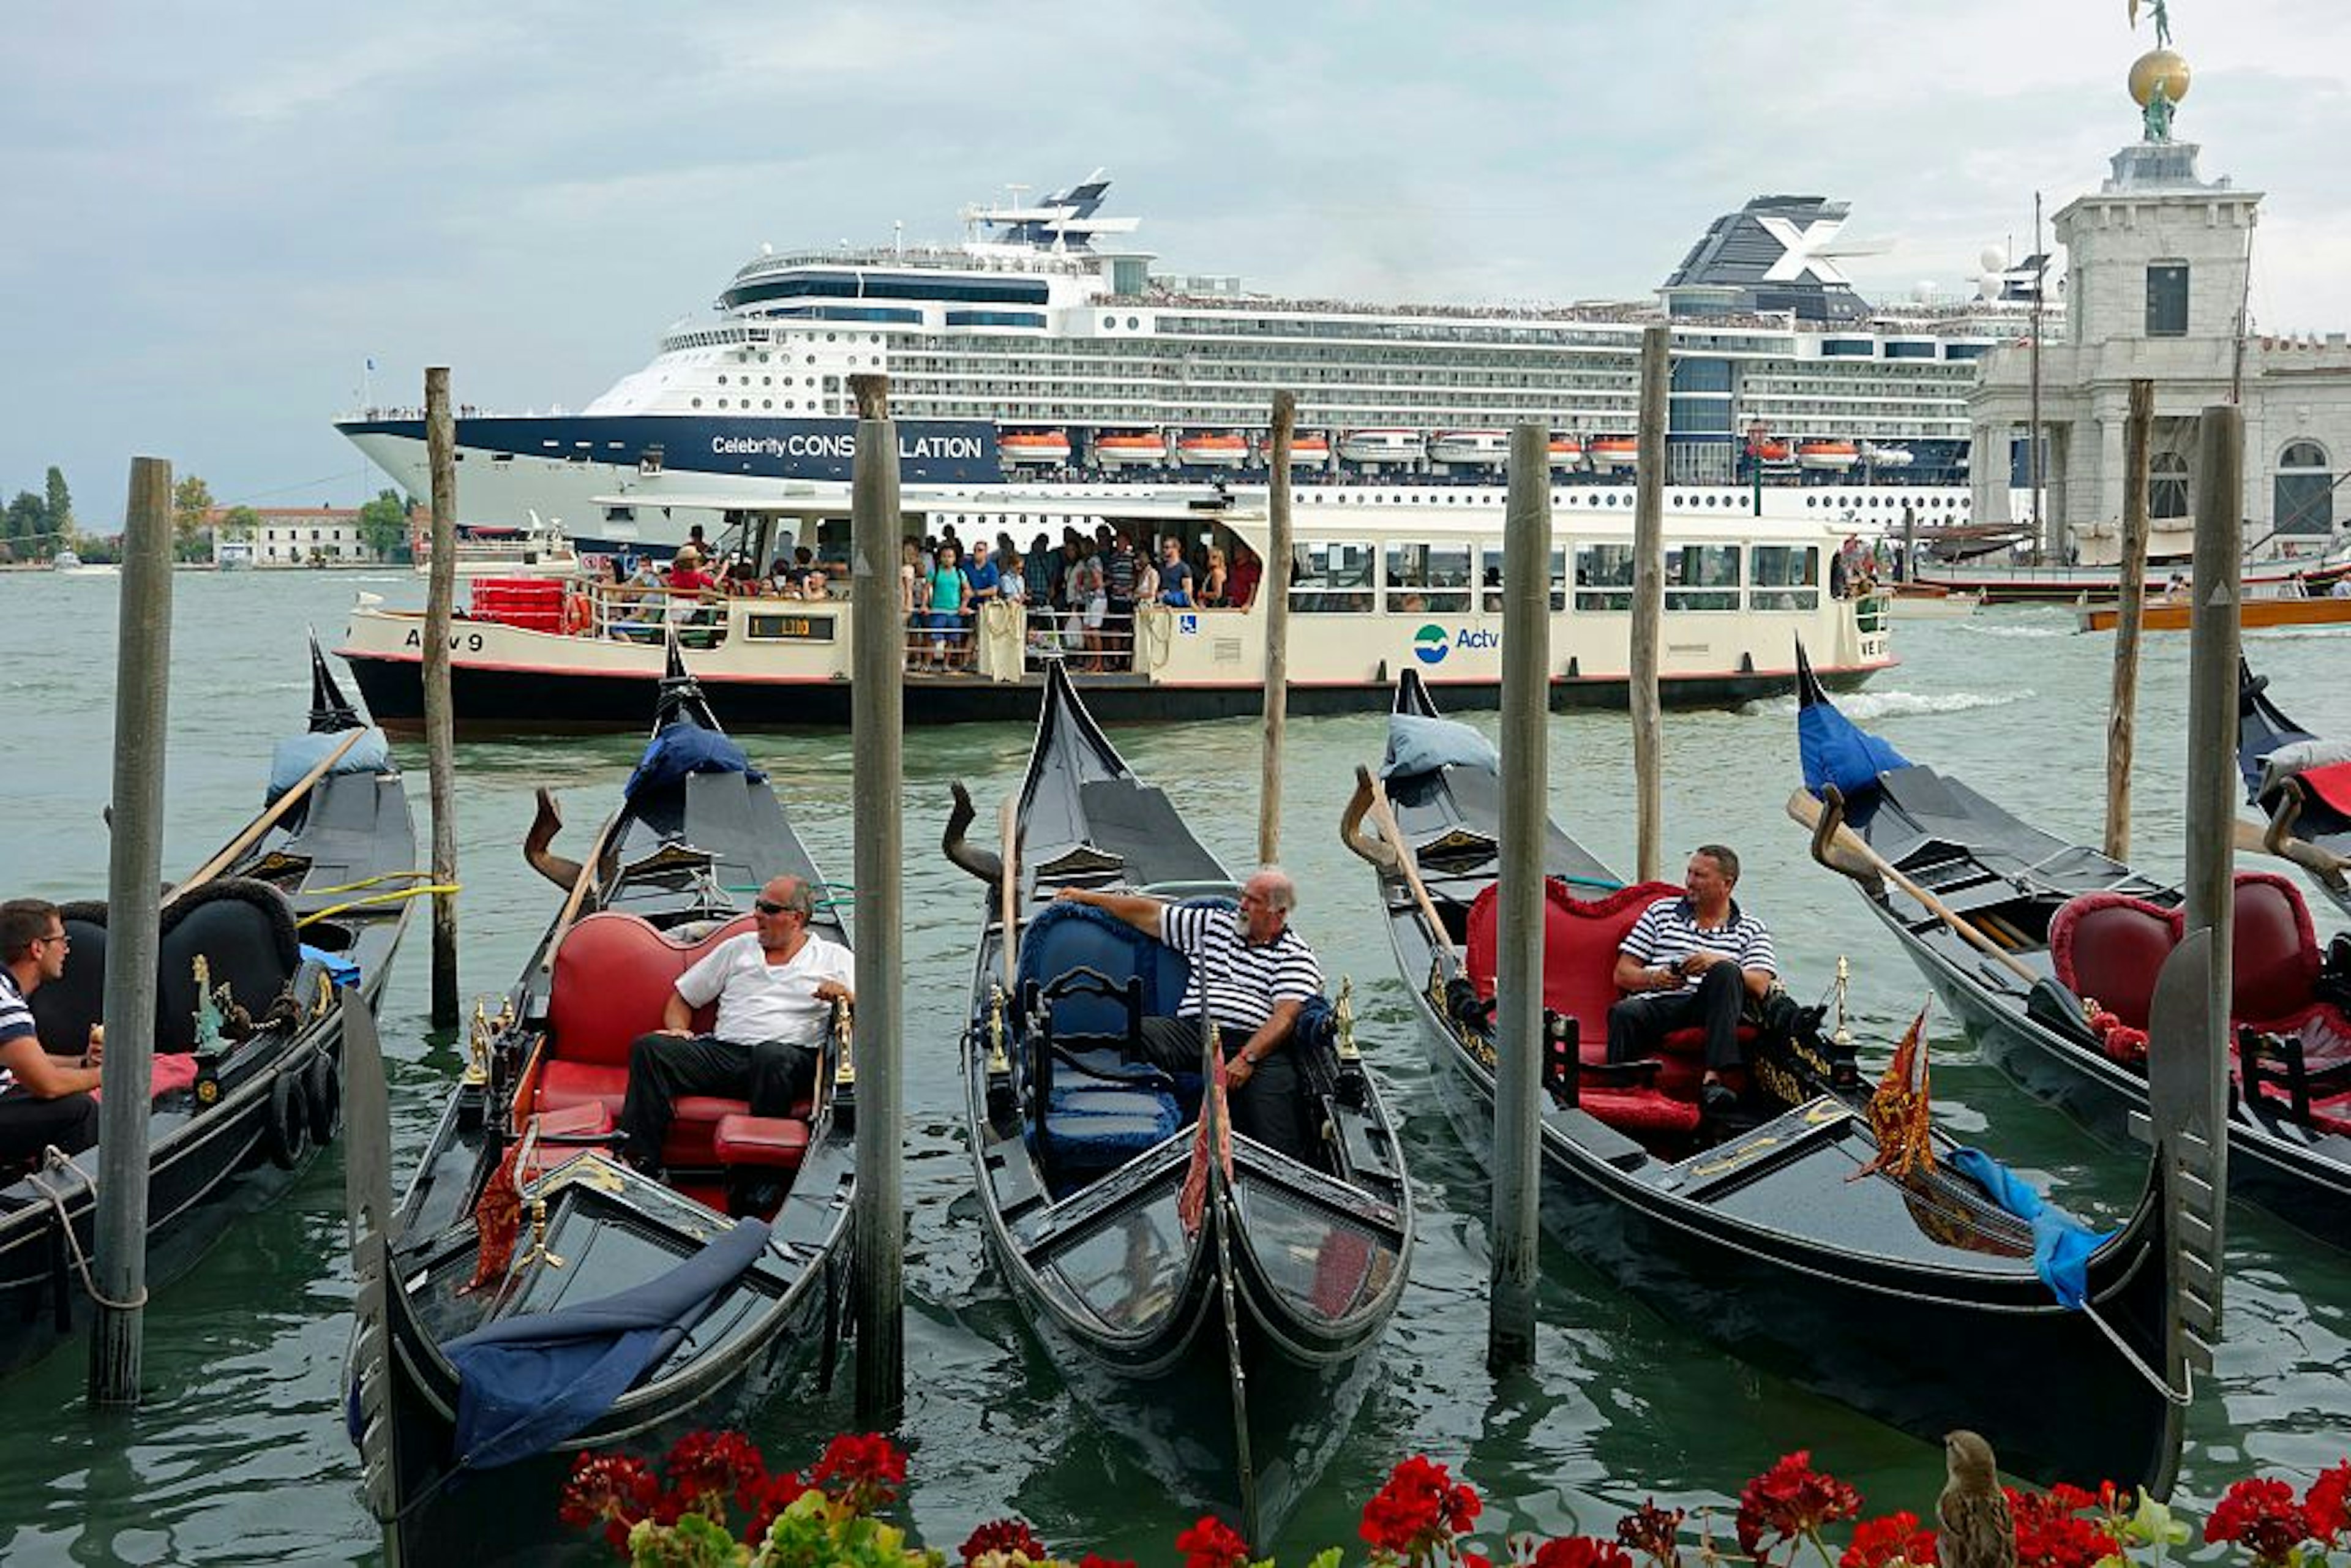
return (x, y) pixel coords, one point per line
(1977, 1530)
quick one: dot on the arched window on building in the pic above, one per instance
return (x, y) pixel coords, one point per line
(2166, 486)
(2303, 495)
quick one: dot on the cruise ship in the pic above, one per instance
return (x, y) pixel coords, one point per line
(1045, 355)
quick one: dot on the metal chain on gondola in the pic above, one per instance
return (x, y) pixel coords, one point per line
(54, 1159)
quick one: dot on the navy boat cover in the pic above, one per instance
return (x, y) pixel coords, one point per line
(1837, 751)
(528, 1383)
(684, 748)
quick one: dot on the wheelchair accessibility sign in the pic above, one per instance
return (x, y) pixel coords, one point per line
(1187, 625)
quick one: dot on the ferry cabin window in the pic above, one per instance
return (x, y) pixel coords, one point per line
(1330, 576)
(1427, 579)
(1702, 577)
(1785, 576)
(1490, 575)
(2166, 299)
(1603, 577)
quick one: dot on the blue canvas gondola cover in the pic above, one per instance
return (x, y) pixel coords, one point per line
(1837, 751)
(2061, 1245)
(686, 748)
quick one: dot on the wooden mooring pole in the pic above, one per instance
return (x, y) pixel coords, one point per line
(2122, 715)
(134, 914)
(1648, 605)
(1519, 1022)
(440, 718)
(877, 709)
(1274, 582)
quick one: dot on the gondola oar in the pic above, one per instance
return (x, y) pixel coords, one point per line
(264, 822)
(1398, 857)
(1830, 832)
(1009, 827)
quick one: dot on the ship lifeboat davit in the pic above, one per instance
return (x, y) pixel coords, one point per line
(1034, 446)
(1309, 450)
(1611, 453)
(1488, 448)
(1115, 450)
(1214, 451)
(1380, 446)
(1826, 455)
(1566, 452)
(1888, 457)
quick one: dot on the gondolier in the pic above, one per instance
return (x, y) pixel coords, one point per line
(1693, 961)
(1251, 975)
(775, 988)
(44, 1099)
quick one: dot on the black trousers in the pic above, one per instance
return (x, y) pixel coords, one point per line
(773, 1075)
(29, 1124)
(1265, 1108)
(1637, 1024)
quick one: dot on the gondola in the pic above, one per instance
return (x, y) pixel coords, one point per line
(1234, 1355)
(310, 896)
(541, 1298)
(2060, 972)
(2300, 783)
(1771, 1227)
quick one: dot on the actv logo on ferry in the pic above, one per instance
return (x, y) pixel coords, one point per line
(1432, 642)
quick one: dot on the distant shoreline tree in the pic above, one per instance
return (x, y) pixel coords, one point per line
(383, 523)
(192, 501)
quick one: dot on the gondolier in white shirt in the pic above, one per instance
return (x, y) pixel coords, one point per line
(44, 1099)
(1692, 961)
(1250, 976)
(775, 986)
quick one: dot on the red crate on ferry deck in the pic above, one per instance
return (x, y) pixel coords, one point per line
(534, 604)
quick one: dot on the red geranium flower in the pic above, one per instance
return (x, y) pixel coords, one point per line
(1419, 1508)
(2051, 1534)
(1896, 1538)
(1212, 1543)
(704, 1468)
(2261, 1516)
(1653, 1532)
(1006, 1535)
(779, 1494)
(2328, 1505)
(1791, 1500)
(1582, 1552)
(609, 1489)
(864, 1472)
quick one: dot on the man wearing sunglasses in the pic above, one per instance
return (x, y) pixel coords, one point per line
(775, 987)
(44, 1099)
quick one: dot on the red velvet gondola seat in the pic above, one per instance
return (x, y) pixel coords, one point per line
(613, 973)
(2109, 947)
(1580, 940)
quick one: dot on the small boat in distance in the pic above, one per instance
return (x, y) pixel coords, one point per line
(2269, 607)
(1834, 457)
(1213, 450)
(1610, 453)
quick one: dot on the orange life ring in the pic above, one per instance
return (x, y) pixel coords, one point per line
(576, 614)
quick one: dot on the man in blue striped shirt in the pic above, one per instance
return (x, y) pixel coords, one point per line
(1692, 962)
(44, 1100)
(1251, 974)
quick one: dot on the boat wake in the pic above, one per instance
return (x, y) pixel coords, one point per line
(1974, 630)
(1898, 704)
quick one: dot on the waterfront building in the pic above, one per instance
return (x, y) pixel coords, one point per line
(291, 536)
(2159, 261)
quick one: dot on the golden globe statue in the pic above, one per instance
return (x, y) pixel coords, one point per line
(2165, 65)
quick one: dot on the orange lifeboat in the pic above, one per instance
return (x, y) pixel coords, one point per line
(1214, 451)
(1566, 452)
(1121, 449)
(1034, 446)
(1609, 453)
(1309, 449)
(1773, 453)
(1834, 455)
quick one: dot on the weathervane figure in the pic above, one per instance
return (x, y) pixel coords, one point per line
(2162, 22)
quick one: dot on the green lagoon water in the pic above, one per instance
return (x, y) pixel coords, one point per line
(238, 1454)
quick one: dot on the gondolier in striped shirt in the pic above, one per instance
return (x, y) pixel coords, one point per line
(1692, 961)
(44, 1099)
(1251, 975)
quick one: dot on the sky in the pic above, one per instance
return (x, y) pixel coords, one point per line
(217, 215)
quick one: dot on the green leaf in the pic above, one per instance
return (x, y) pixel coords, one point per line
(1329, 1559)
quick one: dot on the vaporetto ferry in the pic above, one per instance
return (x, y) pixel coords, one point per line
(1045, 352)
(1372, 589)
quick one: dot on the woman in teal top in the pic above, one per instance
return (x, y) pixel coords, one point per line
(947, 589)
